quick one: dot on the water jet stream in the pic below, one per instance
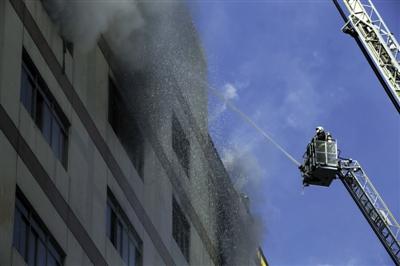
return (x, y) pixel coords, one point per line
(247, 119)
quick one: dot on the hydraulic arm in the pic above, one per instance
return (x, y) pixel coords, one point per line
(322, 165)
(378, 44)
(372, 206)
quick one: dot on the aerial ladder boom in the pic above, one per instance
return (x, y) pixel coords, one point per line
(377, 43)
(372, 206)
(322, 165)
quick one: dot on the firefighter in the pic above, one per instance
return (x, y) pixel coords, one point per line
(321, 134)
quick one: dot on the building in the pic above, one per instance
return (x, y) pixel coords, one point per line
(105, 152)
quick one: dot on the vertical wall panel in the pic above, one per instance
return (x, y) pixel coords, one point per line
(8, 161)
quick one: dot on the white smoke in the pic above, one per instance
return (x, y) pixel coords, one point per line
(82, 22)
(229, 93)
(242, 166)
(156, 38)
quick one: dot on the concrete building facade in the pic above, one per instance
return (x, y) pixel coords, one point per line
(109, 162)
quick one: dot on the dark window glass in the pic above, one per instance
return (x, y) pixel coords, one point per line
(68, 46)
(64, 148)
(44, 118)
(138, 258)
(20, 232)
(118, 240)
(27, 85)
(180, 229)
(113, 229)
(54, 253)
(125, 247)
(24, 235)
(41, 253)
(108, 221)
(39, 102)
(180, 144)
(51, 261)
(56, 135)
(132, 254)
(125, 127)
(32, 239)
(17, 230)
(121, 233)
(32, 248)
(114, 106)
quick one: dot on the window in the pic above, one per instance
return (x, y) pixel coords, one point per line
(180, 229)
(43, 108)
(32, 239)
(49, 7)
(122, 234)
(68, 46)
(125, 127)
(180, 144)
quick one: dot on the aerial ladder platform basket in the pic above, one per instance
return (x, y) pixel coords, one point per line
(322, 165)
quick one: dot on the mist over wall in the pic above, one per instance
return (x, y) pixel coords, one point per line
(158, 52)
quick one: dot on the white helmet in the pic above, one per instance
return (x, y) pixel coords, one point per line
(319, 129)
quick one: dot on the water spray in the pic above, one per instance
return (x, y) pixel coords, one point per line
(248, 120)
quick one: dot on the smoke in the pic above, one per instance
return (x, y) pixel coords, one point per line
(229, 93)
(238, 155)
(82, 22)
(246, 173)
(242, 231)
(156, 46)
(242, 166)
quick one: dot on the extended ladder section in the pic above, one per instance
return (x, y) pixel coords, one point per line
(372, 206)
(322, 164)
(365, 23)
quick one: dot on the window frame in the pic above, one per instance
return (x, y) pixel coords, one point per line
(181, 229)
(40, 92)
(34, 225)
(137, 153)
(181, 145)
(127, 231)
(68, 46)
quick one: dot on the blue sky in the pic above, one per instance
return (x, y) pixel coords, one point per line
(290, 68)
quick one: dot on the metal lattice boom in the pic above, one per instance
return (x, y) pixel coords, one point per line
(365, 23)
(372, 206)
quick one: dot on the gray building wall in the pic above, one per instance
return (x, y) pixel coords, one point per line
(72, 201)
